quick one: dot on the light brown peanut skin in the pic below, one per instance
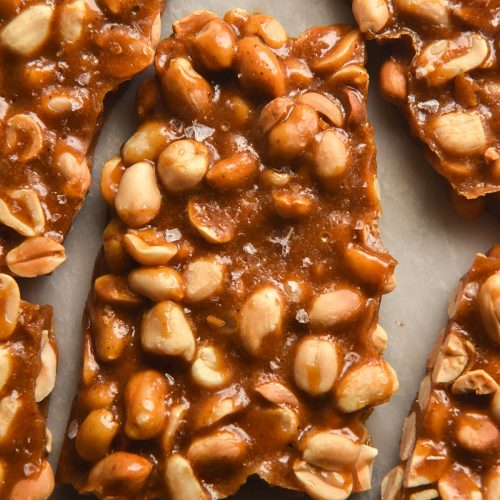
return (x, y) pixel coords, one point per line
(245, 222)
(462, 414)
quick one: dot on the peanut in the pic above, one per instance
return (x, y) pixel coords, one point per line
(182, 165)
(136, 207)
(204, 279)
(165, 330)
(145, 404)
(10, 305)
(335, 307)
(261, 318)
(316, 365)
(120, 474)
(96, 434)
(157, 283)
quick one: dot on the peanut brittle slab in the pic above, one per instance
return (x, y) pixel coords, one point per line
(28, 360)
(58, 62)
(231, 329)
(450, 447)
(445, 76)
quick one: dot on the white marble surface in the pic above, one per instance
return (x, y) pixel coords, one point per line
(432, 245)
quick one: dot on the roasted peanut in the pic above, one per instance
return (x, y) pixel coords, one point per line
(298, 73)
(277, 393)
(393, 85)
(236, 171)
(46, 379)
(210, 224)
(268, 28)
(371, 15)
(119, 474)
(176, 418)
(186, 92)
(224, 448)
(112, 173)
(460, 133)
(491, 483)
(433, 11)
(290, 137)
(417, 471)
(76, 173)
(10, 305)
(147, 143)
(219, 406)
(477, 433)
(474, 382)
(35, 257)
(96, 434)
(321, 484)
(261, 318)
(138, 198)
(208, 368)
(146, 254)
(6, 364)
(451, 360)
(370, 267)
(98, 395)
(316, 365)
(113, 289)
(72, 21)
(379, 338)
(329, 450)
(36, 487)
(363, 467)
(342, 52)
(489, 306)
(145, 404)
(25, 200)
(183, 164)
(294, 205)
(117, 258)
(351, 74)
(365, 385)
(23, 137)
(438, 62)
(259, 70)
(335, 307)
(28, 31)
(204, 279)
(325, 106)
(281, 423)
(330, 155)
(193, 22)
(215, 45)
(90, 367)
(165, 330)
(157, 283)
(112, 334)
(181, 481)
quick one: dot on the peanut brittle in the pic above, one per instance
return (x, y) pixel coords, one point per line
(450, 447)
(445, 76)
(28, 362)
(58, 60)
(232, 326)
